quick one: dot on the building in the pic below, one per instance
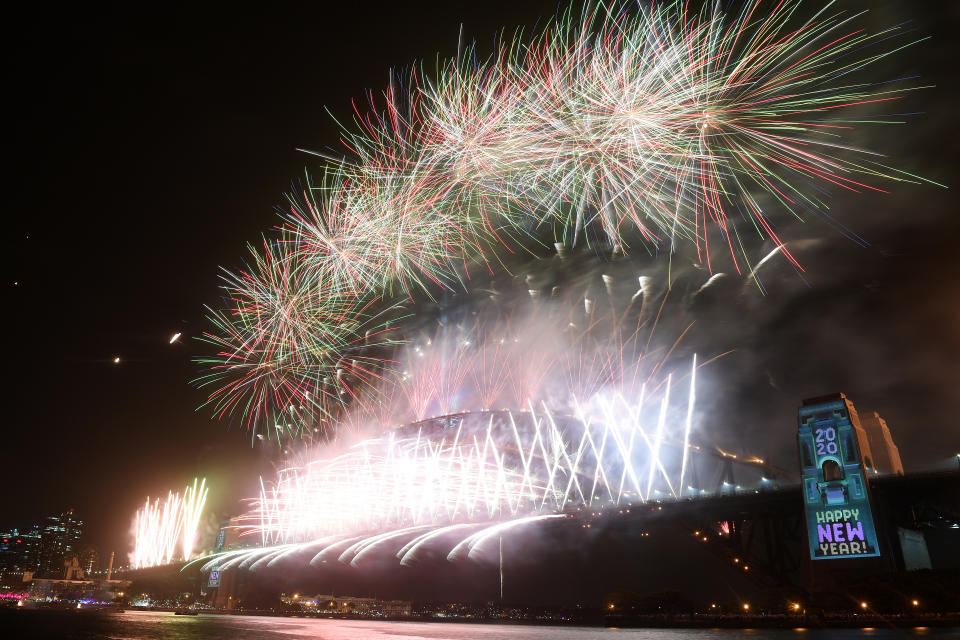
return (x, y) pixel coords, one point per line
(396, 608)
(72, 569)
(15, 581)
(886, 455)
(60, 536)
(31, 537)
(19, 550)
(348, 605)
(57, 589)
(11, 551)
(89, 559)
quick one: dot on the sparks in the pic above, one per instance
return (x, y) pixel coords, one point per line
(167, 530)
(626, 128)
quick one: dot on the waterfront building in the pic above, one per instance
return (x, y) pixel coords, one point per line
(348, 605)
(72, 569)
(59, 589)
(396, 608)
(15, 581)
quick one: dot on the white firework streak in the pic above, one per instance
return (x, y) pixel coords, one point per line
(194, 498)
(164, 529)
(468, 481)
(471, 544)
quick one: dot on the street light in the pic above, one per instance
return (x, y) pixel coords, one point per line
(746, 606)
(915, 603)
(863, 605)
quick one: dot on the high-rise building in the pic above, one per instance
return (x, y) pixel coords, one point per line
(31, 537)
(89, 559)
(886, 455)
(14, 552)
(60, 536)
(18, 549)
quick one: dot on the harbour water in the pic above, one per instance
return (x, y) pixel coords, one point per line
(139, 625)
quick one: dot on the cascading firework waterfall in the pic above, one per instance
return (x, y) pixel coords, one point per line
(166, 530)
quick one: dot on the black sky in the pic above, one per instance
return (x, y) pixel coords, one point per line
(147, 145)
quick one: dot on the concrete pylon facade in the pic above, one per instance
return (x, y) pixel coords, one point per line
(886, 455)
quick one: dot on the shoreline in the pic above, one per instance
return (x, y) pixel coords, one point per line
(679, 621)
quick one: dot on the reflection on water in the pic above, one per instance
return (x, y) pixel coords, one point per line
(141, 625)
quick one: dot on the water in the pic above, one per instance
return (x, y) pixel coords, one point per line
(141, 625)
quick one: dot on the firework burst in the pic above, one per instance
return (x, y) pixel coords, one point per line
(290, 341)
(622, 127)
(476, 474)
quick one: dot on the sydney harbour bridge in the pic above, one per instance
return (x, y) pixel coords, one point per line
(457, 489)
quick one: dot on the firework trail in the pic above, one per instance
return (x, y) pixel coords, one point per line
(650, 127)
(290, 342)
(465, 478)
(167, 530)
(619, 131)
(194, 498)
(598, 428)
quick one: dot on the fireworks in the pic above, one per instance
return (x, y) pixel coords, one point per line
(468, 477)
(290, 343)
(167, 530)
(621, 131)
(652, 125)
(624, 127)
(595, 419)
(487, 466)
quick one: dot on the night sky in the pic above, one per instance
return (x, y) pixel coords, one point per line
(147, 146)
